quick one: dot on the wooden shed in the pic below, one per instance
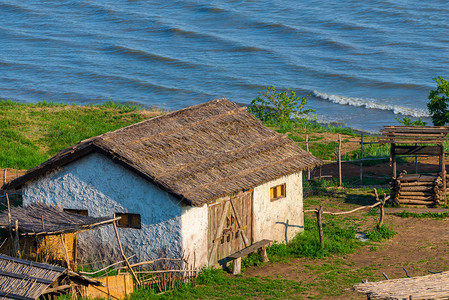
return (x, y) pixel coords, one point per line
(417, 189)
(204, 181)
(45, 233)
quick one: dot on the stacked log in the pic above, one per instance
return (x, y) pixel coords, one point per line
(416, 189)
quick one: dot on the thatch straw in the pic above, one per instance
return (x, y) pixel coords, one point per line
(198, 154)
(55, 221)
(434, 286)
(24, 278)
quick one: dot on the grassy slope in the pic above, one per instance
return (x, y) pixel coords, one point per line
(32, 133)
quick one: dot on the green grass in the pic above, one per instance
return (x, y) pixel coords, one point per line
(385, 232)
(32, 133)
(433, 215)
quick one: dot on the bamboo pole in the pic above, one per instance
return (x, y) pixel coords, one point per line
(319, 213)
(361, 160)
(339, 159)
(123, 254)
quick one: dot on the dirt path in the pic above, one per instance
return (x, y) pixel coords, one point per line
(421, 245)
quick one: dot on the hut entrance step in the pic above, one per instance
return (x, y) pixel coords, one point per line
(237, 256)
(417, 189)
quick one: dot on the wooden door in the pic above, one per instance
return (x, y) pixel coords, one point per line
(230, 226)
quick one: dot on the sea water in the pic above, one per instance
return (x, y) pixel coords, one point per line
(364, 62)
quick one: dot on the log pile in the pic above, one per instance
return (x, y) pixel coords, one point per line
(416, 189)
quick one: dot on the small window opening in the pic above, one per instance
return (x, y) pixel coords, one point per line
(82, 212)
(128, 220)
(277, 192)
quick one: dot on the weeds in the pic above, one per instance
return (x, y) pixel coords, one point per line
(385, 232)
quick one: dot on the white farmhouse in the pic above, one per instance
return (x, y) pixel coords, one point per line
(205, 181)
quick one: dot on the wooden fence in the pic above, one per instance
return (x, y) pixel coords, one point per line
(362, 159)
(319, 214)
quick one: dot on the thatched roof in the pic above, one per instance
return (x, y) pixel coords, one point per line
(434, 286)
(198, 154)
(26, 280)
(55, 221)
(23, 279)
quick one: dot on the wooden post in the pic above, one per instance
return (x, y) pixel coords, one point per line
(361, 160)
(66, 253)
(443, 172)
(263, 254)
(382, 212)
(4, 176)
(16, 240)
(416, 162)
(319, 214)
(307, 149)
(237, 266)
(123, 254)
(393, 160)
(9, 224)
(339, 159)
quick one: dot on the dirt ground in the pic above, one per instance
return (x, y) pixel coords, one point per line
(421, 245)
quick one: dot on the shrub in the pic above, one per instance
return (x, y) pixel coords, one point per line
(282, 109)
(439, 101)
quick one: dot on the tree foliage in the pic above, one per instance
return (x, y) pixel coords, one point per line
(408, 122)
(282, 109)
(439, 101)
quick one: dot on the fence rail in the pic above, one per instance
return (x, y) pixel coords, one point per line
(360, 160)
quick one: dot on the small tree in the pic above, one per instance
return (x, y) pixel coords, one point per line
(439, 101)
(279, 109)
(408, 122)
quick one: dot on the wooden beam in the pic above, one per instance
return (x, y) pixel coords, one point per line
(26, 277)
(32, 263)
(417, 150)
(8, 295)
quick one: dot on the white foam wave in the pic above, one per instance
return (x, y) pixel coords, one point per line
(373, 104)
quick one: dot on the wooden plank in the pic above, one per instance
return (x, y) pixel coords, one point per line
(250, 249)
(219, 229)
(242, 232)
(417, 150)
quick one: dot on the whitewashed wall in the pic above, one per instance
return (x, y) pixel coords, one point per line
(103, 188)
(194, 233)
(270, 218)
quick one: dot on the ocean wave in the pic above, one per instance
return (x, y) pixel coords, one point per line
(373, 104)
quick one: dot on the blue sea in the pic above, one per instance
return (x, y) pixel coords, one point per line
(363, 62)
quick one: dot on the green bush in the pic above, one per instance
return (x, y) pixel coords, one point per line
(439, 101)
(282, 109)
